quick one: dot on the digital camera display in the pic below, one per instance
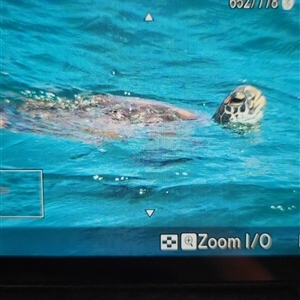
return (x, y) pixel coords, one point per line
(150, 128)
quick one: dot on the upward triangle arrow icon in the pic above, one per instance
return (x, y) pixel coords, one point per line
(148, 18)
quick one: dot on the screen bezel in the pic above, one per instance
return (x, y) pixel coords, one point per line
(97, 271)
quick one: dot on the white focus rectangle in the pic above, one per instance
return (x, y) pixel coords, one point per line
(21, 194)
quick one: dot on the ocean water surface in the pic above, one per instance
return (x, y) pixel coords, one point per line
(192, 55)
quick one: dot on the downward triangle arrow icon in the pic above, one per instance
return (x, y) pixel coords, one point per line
(150, 212)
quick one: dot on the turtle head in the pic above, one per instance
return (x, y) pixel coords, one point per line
(244, 105)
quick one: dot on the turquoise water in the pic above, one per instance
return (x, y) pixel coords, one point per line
(192, 55)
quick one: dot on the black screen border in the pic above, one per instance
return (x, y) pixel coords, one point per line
(108, 271)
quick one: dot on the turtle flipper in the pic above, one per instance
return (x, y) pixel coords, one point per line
(186, 115)
(4, 118)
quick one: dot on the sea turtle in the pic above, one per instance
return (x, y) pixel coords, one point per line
(115, 116)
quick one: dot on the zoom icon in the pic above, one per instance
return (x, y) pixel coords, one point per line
(189, 241)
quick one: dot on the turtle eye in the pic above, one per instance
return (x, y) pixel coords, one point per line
(237, 98)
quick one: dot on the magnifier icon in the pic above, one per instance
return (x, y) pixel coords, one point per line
(188, 240)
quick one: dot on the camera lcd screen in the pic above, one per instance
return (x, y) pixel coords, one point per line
(150, 129)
